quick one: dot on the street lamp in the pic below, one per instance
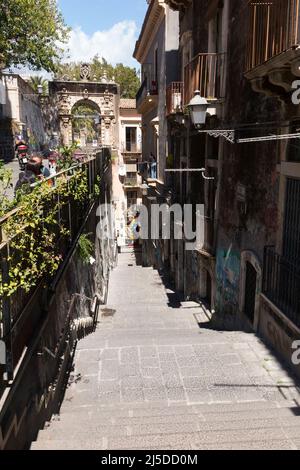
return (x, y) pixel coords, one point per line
(198, 107)
(39, 93)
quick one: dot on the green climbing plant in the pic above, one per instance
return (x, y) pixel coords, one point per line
(85, 248)
(35, 230)
(66, 159)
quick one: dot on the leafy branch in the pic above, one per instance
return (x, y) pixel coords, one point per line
(36, 230)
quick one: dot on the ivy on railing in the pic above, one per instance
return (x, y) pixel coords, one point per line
(33, 231)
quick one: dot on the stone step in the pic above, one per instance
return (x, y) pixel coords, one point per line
(281, 444)
(274, 437)
(154, 409)
(73, 422)
(141, 428)
(212, 438)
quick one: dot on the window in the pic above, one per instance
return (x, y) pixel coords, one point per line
(131, 139)
(131, 198)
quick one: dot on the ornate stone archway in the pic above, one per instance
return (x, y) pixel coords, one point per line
(104, 94)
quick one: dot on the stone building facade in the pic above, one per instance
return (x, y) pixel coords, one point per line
(20, 114)
(101, 96)
(127, 182)
(246, 271)
(157, 52)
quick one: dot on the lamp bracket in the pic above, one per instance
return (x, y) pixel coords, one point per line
(229, 135)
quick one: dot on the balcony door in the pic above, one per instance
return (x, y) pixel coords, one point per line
(250, 291)
(131, 139)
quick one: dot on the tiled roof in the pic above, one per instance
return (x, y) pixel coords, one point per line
(127, 103)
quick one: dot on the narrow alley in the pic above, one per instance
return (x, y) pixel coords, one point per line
(155, 376)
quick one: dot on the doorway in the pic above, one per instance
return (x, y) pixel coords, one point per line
(250, 292)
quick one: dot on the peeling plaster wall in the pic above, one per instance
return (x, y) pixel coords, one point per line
(253, 224)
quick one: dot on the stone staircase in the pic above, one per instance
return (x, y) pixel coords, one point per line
(253, 426)
(151, 379)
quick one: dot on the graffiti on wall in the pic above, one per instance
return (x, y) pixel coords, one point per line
(228, 276)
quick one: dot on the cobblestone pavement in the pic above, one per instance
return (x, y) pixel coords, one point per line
(151, 377)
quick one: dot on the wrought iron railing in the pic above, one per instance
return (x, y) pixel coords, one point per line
(174, 98)
(281, 284)
(130, 181)
(149, 86)
(131, 148)
(16, 326)
(206, 74)
(274, 27)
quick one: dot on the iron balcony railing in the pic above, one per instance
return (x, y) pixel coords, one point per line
(206, 74)
(174, 98)
(281, 284)
(149, 86)
(131, 148)
(131, 181)
(274, 27)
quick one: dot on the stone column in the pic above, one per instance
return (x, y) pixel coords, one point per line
(65, 127)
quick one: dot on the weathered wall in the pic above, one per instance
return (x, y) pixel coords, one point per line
(253, 224)
(277, 332)
(24, 108)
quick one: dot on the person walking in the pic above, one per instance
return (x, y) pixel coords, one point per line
(44, 171)
(153, 167)
(28, 177)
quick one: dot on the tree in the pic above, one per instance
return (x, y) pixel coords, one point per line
(30, 33)
(37, 81)
(128, 80)
(124, 76)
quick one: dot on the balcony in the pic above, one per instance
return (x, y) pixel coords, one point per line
(206, 74)
(175, 98)
(273, 53)
(178, 4)
(131, 149)
(131, 182)
(147, 96)
(281, 284)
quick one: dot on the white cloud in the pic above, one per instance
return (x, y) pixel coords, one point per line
(115, 44)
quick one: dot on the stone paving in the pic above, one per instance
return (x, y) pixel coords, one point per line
(154, 375)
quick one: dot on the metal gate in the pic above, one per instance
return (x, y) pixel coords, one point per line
(250, 291)
(291, 234)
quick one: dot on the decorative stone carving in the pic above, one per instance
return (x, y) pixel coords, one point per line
(258, 85)
(85, 72)
(275, 76)
(107, 122)
(282, 77)
(85, 94)
(64, 102)
(104, 78)
(65, 122)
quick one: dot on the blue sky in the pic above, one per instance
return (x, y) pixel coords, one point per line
(107, 27)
